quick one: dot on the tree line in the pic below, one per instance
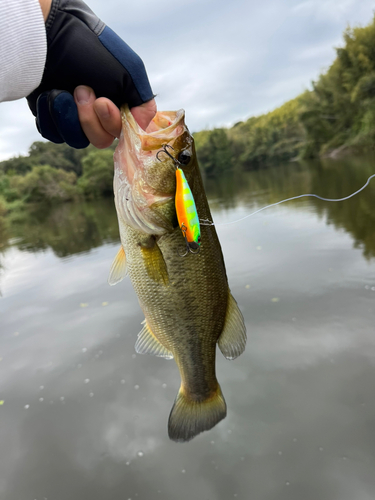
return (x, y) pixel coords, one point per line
(55, 173)
(336, 117)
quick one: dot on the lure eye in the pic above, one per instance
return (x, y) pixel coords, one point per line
(184, 157)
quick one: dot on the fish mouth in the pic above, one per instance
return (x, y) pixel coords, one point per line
(140, 178)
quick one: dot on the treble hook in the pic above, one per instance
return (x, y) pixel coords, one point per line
(189, 249)
(164, 150)
(185, 253)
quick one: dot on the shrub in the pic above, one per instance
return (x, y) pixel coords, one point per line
(97, 178)
(3, 206)
(46, 184)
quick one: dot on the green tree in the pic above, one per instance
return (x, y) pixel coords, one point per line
(45, 184)
(57, 156)
(3, 206)
(340, 111)
(97, 178)
(214, 152)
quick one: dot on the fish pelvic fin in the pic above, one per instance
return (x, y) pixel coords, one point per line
(189, 417)
(118, 268)
(147, 343)
(232, 340)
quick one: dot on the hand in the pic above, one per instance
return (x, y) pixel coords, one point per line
(101, 120)
(81, 49)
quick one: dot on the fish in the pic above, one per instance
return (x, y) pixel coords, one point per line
(186, 301)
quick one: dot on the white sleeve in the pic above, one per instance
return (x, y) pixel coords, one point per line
(23, 48)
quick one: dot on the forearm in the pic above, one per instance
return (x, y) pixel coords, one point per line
(23, 47)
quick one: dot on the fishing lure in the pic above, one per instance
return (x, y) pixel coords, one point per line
(187, 213)
(186, 210)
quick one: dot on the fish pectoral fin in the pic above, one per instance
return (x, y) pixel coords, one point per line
(118, 268)
(155, 264)
(147, 343)
(232, 340)
(161, 219)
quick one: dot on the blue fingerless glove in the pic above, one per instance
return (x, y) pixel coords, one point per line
(82, 50)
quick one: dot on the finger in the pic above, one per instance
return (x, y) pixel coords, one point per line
(85, 98)
(109, 116)
(144, 113)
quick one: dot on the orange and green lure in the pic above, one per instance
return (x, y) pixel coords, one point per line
(186, 210)
(187, 213)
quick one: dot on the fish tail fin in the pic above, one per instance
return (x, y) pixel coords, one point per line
(188, 417)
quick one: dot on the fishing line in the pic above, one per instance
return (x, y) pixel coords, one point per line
(209, 223)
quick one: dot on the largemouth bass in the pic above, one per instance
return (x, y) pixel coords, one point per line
(186, 301)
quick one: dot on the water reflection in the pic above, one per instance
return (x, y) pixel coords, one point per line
(67, 229)
(73, 228)
(356, 216)
(327, 178)
(84, 417)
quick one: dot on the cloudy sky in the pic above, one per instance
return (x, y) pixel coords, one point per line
(221, 61)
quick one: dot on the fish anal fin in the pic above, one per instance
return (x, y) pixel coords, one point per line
(155, 264)
(189, 418)
(147, 343)
(232, 340)
(118, 268)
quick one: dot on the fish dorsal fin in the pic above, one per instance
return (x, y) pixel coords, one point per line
(147, 343)
(232, 340)
(118, 268)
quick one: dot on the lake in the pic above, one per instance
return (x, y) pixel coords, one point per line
(83, 417)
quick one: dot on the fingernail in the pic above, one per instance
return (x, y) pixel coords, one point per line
(83, 95)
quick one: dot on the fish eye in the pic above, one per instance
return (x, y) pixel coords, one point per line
(184, 157)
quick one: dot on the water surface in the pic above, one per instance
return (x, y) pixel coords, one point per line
(83, 417)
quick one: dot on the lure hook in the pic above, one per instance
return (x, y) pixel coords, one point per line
(184, 229)
(164, 150)
(188, 248)
(196, 252)
(185, 253)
